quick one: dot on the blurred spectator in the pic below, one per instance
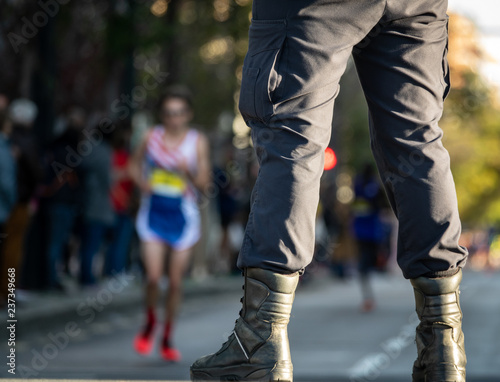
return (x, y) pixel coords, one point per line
(121, 194)
(7, 193)
(227, 204)
(345, 245)
(4, 103)
(335, 215)
(22, 113)
(368, 228)
(74, 115)
(7, 171)
(97, 212)
(61, 196)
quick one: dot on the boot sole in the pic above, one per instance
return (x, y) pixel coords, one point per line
(276, 374)
(202, 377)
(448, 374)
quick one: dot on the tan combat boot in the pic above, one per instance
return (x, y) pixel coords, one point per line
(440, 340)
(258, 349)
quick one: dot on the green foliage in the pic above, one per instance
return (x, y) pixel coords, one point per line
(351, 136)
(196, 49)
(472, 136)
(471, 125)
(212, 53)
(105, 48)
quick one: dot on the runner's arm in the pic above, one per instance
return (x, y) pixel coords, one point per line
(203, 176)
(135, 166)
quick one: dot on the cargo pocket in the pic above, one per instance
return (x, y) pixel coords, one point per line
(262, 69)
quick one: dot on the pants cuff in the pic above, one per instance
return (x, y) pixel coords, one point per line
(448, 273)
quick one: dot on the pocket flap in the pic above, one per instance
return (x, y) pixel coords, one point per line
(266, 35)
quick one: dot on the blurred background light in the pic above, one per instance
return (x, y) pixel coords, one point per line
(330, 159)
(159, 8)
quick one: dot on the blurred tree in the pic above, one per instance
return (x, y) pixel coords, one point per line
(350, 136)
(471, 123)
(472, 136)
(99, 53)
(95, 52)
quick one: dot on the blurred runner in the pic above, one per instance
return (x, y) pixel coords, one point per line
(169, 165)
(368, 229)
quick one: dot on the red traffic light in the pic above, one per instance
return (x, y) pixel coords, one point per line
(330, 159)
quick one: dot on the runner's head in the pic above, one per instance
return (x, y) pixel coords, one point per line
(176, 107)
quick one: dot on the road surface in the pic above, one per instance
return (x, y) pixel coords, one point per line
(331, 340)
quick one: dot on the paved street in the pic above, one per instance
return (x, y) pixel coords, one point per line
(331, 339)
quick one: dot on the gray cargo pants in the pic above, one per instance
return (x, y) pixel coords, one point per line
(298, 50)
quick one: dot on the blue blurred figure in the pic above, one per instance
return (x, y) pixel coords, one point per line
(8, 192)
(368, 228)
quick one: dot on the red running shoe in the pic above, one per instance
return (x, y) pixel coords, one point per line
(170, 354)
(143, 345)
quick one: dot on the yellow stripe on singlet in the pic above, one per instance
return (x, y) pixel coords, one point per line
(163, 180)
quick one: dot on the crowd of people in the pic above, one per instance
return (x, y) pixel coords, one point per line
(46, 200)
(86, 193)
(63, 202)
(60, 206)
